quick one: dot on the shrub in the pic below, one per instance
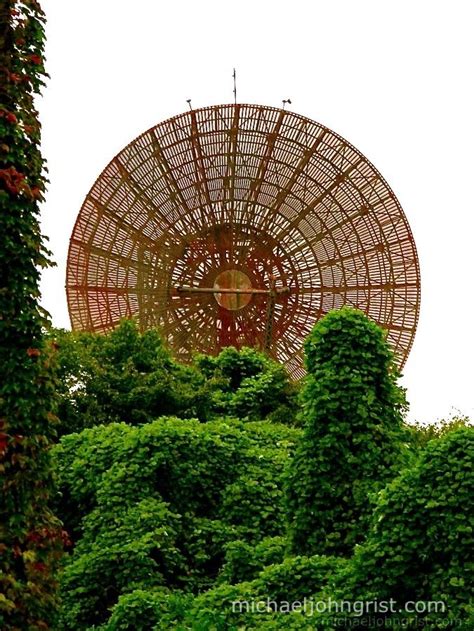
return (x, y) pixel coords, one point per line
(123, 376)
(254, 501)
(420, 435)
(203, 542)
(249, 385)
(129, 376)
(135, 547)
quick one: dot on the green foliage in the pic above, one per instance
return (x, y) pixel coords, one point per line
(174, 519)
(353, 438)
(420, 544)
(244, 561)
(31, 538)
(130, 376)
(186, 462)
(418, 549)
(420, 435)
(143, 610)
(203, 543)
(254, 501)
(293, 580)
(156, 505)
(161, 510)
(135, 546)
(164, 516)
(297, 577)
(248, 384)
(123, 376)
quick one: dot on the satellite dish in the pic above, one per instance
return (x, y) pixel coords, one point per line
(242, 225)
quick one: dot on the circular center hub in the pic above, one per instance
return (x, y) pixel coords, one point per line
(235, 283)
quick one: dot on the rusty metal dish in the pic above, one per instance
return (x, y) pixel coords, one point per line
(242, 225)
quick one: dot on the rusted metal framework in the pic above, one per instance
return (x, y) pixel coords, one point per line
(242, 225)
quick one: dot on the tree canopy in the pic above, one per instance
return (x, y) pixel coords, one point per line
(131, 376)
(174, 518)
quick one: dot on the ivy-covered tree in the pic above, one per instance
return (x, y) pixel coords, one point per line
(153, 507)
(248, 384)
(131, 376)
(420, 542)
(30, 536)
(123, 376)
(354, 434)
(421, 434)
(418, 549)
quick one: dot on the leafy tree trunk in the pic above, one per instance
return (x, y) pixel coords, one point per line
(30, 536)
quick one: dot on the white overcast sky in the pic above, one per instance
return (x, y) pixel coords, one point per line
(394, 77)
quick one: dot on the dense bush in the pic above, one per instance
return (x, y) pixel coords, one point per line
(420, 434)
(254, 501)
(175, 519)
(155, 506)
(135, 546)
(130, 376)
(354, 436)
(293, 580)
(152, 610)
(123, 376)
(420, 544)
(248, 384)
(418, 549)
(244, 561)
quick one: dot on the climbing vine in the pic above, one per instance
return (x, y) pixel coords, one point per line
(352, 409)
(31, 538)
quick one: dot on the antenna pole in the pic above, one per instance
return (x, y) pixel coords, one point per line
(235, 87)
